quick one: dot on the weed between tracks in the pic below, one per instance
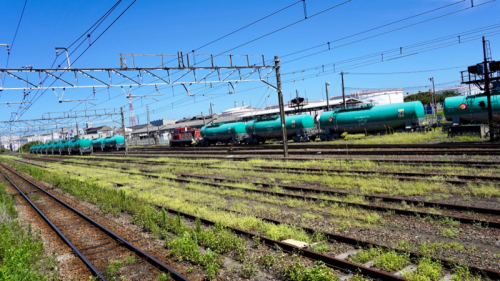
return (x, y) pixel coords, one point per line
(404, 138)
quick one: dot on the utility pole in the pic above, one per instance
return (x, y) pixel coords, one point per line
(327, 97)
(282, 108)
(487, 90)
(211, 112)
(77, 131)
(123, 131)
(433, 94)
(343, 91)
(147, 109)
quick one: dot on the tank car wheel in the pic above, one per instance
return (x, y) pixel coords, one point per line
(81, 152)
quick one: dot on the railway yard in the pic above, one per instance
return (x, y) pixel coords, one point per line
(327, 212)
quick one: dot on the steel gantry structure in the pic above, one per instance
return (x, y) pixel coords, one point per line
(77, 78)
(177, 70)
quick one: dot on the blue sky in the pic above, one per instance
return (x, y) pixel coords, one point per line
(152, 27)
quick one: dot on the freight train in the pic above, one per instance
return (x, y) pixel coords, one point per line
(367, 119)
(79, 146)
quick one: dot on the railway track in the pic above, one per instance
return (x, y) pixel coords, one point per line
(459, 179)
(339, 262)
(329, 151)
(465, 163)
(334, 263)
(93, 243)
(461, 219)
(332, 146)
(477, 164)
(326, 190)
(363, 244)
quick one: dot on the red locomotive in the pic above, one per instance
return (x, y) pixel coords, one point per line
(185, 136)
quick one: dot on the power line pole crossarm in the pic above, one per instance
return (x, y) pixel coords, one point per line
(282, 109)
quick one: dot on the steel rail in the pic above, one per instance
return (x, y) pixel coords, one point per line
(331, 152)
(490, 211)
(249, 157)
(57, 231)
(450, 146)
(433, 162)
(331, 262)
(152, 260)
(489, 273)
(317, 170)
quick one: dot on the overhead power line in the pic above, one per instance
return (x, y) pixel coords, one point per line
(90, 45)
(371, 29)
(404, 72)
(453, 39)
(248, 25)
(329, 47)
(14, 39)
(96, 25)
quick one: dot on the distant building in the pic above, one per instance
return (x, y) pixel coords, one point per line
(162, 122)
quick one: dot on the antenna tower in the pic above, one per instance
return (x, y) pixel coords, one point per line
(131, 121)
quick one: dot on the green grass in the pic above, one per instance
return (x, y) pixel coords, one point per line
(392, 261)
(22, 253)
(450, 232)
(365, 256)
(427, 270)
(403, 138)
(463, 273)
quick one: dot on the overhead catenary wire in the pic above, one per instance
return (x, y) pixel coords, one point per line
(90, 45)
(383, 33)
(14, 39)
(248, 25)
(371, 29)
(96, 25)
(448, 39)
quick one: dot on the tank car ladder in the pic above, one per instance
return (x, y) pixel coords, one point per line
(470, 104)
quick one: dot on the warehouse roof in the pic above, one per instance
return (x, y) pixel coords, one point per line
(198, 123)
(308, 107)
